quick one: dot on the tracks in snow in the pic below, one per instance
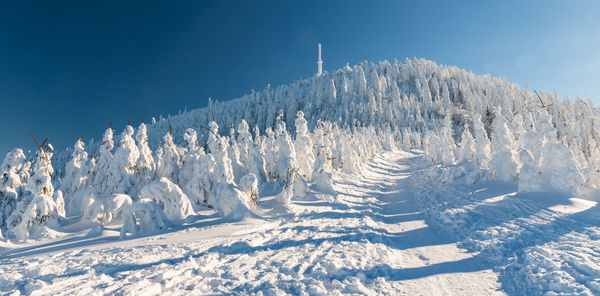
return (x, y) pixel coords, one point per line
(370, 239)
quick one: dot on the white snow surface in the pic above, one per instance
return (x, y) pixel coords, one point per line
(393, 229)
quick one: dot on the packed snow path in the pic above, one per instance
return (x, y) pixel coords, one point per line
(369, 239)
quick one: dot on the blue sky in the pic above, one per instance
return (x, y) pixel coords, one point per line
(68, 67)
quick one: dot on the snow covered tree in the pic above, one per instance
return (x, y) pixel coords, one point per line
(77, 178)
(504, 163)
(14, 176)
(170, 198)
(482, 142)
(102, 169)
(122, 178)
(76, 171)
(250, 155)
(304, 147)
(169, 163)
(145, 167)
(557, 162)
(268, 148)
(447, 144)
(104, 209)
(286, 153)
(529, 175)
(37, 209)
(234, 155)
(218, 148)
(466, 146)
(191, 170)
(143, 217)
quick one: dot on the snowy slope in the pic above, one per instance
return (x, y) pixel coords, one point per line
(369, 239)
(392, 229)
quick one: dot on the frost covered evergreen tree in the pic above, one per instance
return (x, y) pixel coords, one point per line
(122, 178)
(482, 142)
(234, 155)
(15, 172)
(169, 162)
(226, 197)
(466, 146)
(38, 208)
(322, 174)
(76, 171)
(268, 149)
(102, 169)
(218, 148)
(447, 144)
(194, 177)
(557, 163)
(250, 154)
(504, 162)
(529, 176)
(304, 147)
(145, 167)
(285, 164)
(77, 178)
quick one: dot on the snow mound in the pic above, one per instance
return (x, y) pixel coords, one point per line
(249, 185)
(232, 202)
(104, 210)
(143, 217)
(170, 197)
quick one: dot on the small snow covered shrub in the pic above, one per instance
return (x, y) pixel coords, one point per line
(170, 198)
(285, 196)
(232, 202)
(249, 185)
(323, 181)
(104, 210)
(143, 217)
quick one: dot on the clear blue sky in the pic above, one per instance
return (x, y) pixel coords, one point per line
(67, 67)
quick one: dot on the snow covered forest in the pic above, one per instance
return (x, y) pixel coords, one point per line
(479, 127)
(291, 140)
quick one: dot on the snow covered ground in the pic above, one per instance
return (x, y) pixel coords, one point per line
(393, 229)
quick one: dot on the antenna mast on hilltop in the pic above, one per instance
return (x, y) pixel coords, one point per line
(319, 63)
